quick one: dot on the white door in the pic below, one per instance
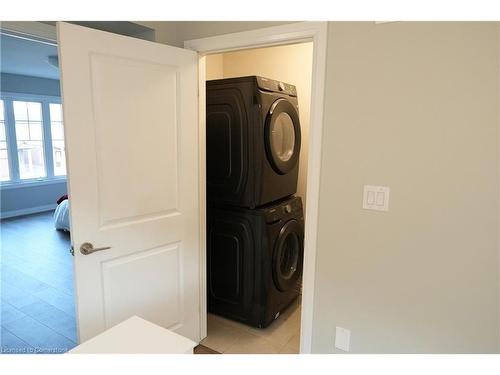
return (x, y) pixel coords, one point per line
(131, 127)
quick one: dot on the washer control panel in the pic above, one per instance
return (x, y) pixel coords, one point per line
(279, 211)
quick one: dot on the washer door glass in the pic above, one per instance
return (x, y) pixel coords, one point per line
(288, 255)
(282, 134)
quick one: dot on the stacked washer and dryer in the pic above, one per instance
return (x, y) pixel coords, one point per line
(255, 236)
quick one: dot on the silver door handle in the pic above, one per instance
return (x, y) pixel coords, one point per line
(87, 248)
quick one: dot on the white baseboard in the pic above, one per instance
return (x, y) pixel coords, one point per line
(27, 211)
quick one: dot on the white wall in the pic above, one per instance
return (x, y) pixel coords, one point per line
(291, 64)
(413, 106)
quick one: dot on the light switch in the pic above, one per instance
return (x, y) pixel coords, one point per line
(342, 338)
(380, 198)
(371, 197)
(376, 198)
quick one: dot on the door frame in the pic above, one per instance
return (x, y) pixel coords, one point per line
(266, 37)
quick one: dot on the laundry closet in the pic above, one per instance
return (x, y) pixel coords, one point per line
(257, 120)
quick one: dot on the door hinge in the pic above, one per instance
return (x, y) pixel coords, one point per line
(72, 250)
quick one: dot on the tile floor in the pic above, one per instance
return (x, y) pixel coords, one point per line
(37, 304)
(230, 337)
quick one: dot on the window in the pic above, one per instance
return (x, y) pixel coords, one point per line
(4, 156)
(29, 135)
(56, 126)
(31, 139)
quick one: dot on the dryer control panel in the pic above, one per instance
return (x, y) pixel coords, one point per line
(276, 86)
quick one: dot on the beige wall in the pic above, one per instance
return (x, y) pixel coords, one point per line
(291, 64)
(214, 67)
(412, 106)
(498, 186)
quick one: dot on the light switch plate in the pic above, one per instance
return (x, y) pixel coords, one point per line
(376, 198)
(342, 338)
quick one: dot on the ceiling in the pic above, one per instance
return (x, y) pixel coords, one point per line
(26, 57)
(29, 57)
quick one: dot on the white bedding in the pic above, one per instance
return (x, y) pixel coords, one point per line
(61, 216)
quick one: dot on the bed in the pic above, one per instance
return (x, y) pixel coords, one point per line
(61, 216)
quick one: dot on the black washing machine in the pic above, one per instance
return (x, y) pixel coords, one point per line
(254, 260)
(253, 141)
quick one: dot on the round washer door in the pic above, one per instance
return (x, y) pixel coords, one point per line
(282, 134)
(288, 255)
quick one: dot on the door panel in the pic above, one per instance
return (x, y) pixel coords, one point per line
(153, 304)
(150, 99)
(131, 130)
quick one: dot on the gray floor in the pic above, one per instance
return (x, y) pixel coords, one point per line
(36, 290)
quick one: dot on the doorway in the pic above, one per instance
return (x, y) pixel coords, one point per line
(272, 36)
(291, 65)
